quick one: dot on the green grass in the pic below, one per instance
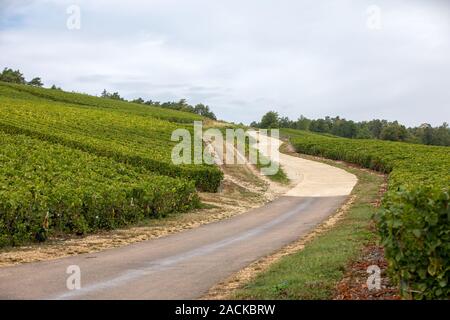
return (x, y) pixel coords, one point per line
(314, 272)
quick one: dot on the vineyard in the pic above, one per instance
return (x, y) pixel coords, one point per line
(35, 93)
(78, 166)
(47, 186)
(414, 221)
(129, 138)
(74, 163)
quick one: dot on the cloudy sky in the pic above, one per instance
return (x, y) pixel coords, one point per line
(354, 58)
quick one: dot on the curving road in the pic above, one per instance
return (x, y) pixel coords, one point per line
(185, 265)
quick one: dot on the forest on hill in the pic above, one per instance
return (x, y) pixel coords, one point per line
(373, 129)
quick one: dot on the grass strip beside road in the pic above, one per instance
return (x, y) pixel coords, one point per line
(314, 272)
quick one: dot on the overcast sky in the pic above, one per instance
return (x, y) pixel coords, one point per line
(354, 58)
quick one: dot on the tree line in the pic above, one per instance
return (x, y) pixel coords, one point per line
(374, 129)
(180, 105)
(15, 76)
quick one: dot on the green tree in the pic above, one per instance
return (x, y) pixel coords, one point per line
(426, 133)
(364, 133)
(184, 106)
(441, 135)
(203, 110)
(36, 82)
(114, 95)
(320, 125)
(375, 127)
(152, 103)
(9, 75)
(270, 120)
(394, 132)
(105, 94)
(138, 100)
(284, 122)
(349, 129)
(302, 123)
(254, 124)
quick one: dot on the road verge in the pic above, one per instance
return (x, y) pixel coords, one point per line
(313, 266)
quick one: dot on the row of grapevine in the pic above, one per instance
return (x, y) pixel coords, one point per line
(30, 92)
(47, 188)
(128, 138)
(414, 221)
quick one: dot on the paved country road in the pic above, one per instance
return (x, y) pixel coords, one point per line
(185, 265)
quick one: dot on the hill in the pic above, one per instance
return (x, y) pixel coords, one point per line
(69, 157)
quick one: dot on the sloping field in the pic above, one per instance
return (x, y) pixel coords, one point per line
(415, 218)
(48, 187)
(88, 163)
(34, 93)
(125, 137)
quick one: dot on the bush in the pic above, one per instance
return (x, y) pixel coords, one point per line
(415, 228)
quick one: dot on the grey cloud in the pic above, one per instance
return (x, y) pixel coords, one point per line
(245, 57)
